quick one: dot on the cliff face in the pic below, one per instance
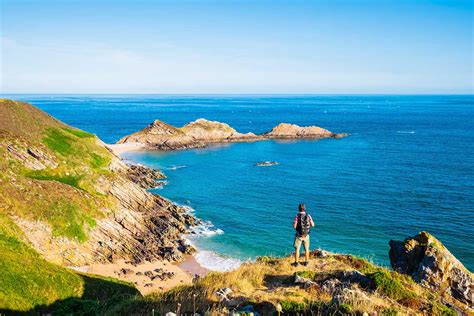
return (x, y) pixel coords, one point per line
(202, 132)
(429, 263)
(76, 202)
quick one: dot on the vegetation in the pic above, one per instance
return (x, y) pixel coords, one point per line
(388, 284)
(269, 281)
(29, 282)
(48, 172)
(61, 190)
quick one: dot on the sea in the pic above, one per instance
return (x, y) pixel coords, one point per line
(407, 167)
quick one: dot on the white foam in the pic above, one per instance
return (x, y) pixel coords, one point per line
(175, 167)
(406, 132)
(215, 262)
(205, 258)
(204, 229)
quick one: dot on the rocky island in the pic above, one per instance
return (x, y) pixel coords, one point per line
(66, 202)
(200, 133)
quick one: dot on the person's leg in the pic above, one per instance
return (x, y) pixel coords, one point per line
(306, 248)
(297, 249)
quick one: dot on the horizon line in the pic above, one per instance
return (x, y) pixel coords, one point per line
(237, 94)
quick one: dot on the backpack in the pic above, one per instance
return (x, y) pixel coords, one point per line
(303, 225)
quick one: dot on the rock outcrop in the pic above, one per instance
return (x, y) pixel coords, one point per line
(202, 132)
(291, 131)
(54, 177)
(431, 264)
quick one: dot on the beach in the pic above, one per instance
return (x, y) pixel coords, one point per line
(118, 149)
(149, 277)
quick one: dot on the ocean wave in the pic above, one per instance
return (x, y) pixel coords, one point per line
(208, 259)
(175, 167)
(406, 132)
(205, 229)
(215, 262)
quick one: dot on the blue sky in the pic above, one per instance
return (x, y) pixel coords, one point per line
(320, 47)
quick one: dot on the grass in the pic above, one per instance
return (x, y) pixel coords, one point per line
(27, 279)
(268, 281)
(47, 195)
(47, 175)
(98, 161)
(59, 142)
(79, 133)
(69, 221)
(29, 282)
(387, 283)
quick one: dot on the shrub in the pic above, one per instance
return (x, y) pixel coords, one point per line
(439, 309)
(292, 306)
(310, 275)
(390, 312)
(385, 283)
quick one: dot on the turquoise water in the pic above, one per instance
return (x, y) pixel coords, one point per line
(407, 167)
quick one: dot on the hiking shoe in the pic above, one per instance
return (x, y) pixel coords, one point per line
(295, 264)
(305, 263)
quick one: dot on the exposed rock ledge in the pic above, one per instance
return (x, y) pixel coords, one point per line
(200, 133)
(431, 264)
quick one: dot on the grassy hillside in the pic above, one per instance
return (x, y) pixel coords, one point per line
(336, 289)
(48, 172)
(60, 189)
(28, 282)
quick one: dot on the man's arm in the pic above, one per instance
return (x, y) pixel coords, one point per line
(295, 222)
(311, 221)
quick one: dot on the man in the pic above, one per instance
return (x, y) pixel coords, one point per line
(302, 224)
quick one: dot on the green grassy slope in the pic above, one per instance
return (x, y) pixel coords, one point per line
(28, 282)
(62, 195)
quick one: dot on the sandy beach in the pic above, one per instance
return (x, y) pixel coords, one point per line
(150, 277)
(118, 149)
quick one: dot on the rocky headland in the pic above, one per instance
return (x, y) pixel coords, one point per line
(67, 201)
(53, 173)
(202, 132)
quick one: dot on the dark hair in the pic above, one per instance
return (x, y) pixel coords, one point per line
(301, 207)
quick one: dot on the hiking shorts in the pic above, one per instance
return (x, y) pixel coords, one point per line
(304, 240)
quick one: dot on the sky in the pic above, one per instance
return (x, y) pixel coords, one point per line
(237, 47)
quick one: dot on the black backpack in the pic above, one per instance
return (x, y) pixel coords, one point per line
(303, 225)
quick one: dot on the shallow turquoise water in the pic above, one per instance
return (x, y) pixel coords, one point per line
(407, 167)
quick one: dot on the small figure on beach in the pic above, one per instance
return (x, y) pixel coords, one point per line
(302, 224)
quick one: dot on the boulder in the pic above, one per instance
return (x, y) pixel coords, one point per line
(303, 281)
(431, 264)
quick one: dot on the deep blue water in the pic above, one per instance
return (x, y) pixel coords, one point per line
(407, 167)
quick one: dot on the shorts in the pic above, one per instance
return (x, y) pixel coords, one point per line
(304, 240)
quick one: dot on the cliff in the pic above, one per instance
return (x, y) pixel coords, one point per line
(65, 196)
(201, 132)
(431, 264)
(66, 200)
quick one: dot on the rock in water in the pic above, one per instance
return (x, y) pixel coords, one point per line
(431, 264)
(266, 163)
(202, 132)
(292, 131)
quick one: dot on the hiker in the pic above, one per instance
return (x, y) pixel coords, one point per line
(302, 224)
